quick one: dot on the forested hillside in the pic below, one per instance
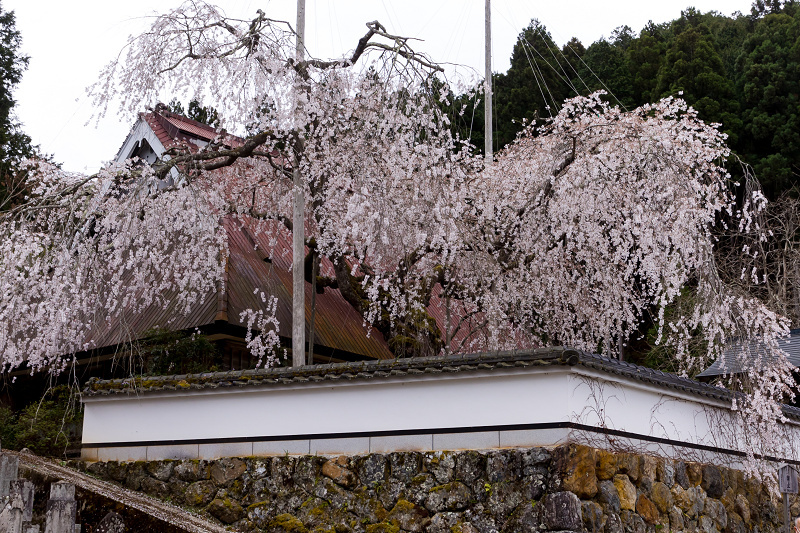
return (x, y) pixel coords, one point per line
(742, 71)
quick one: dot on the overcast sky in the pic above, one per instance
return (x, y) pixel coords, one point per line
(69, 42)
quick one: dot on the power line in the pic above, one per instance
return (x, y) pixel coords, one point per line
(564, 78)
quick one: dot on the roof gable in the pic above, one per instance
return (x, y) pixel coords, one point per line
(739, 357)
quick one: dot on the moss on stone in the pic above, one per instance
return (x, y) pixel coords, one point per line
(403, 505)
(383, 527)
(447, 486)
(288, 523)
(322, 509)
(257, 505)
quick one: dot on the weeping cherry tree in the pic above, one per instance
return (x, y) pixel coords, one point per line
(578, 232)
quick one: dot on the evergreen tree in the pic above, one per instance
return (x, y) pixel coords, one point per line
(693, 69)
(537, 82)
(175, 106)
(573, 53)
(196, 111)
(729, 36)
(605, 67)
(770, 86)
(14, 144)
(645, 56)
(205, 114)
(770, 7)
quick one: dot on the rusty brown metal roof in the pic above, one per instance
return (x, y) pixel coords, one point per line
(338, 327)
(191, 126)
(174, 130)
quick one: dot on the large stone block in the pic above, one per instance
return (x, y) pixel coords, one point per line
(409, 517)
(161, 470)
(336, 470)
(134, 475)
(285, 522)
(608, 495)
(594, 520)
(419, 487)
(626, 491)
(690, 501)
(224, 471)
(503, 498)
(111, 523)
(606, 465)
(665, 473)
(390, 492)
(676, 521)
(632, 522)
(614, 523)
(735, 524)
(716, 511)
(25, 490)
(189, 471)
(695, 473)
(661, 496)
(503, 465)
(649, 467)
(11, 510)
(282, 472)
(630, 464)
(62, 508)
(712, 481)
(225, 510)
(647, 509)
(372, 469)
(62, 491)
(404, 466)
(440, 465)
(200, 493)
(576, 467)
(368, 507)
(561, 511)
(155, 488)
(454, 496)
(681, 477)
(525, 519)
(742, 507)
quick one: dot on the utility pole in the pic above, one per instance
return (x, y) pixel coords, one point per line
(298, 227)
(488, 85)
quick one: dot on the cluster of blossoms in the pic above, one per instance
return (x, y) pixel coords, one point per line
(82, 251)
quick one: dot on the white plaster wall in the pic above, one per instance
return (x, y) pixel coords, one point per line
(425, 405)
(449, 401)
(634, 407)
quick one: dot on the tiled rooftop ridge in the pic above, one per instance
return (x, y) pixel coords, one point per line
(387, 368)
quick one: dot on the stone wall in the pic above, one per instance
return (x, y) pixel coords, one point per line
(571, 488)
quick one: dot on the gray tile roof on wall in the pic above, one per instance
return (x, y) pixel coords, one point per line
(739, 357)
(366, 370)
